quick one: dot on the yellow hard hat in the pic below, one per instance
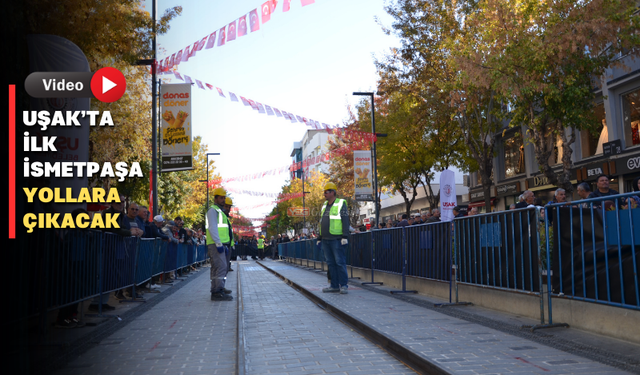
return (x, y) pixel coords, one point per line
(330, 186)
(219, 191)
(228, 201)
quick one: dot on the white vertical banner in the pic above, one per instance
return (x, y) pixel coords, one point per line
(177, 151)
(50, 53)
(362, 175)
(447, 195)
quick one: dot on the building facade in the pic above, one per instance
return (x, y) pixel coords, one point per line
(612, 149)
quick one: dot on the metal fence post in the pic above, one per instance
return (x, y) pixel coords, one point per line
(404, 266)
(373, 261)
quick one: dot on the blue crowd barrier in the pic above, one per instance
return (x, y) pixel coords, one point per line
(429, 250)
(388, 247)
(499, 249)
(159, 259)
(171, 258)
(144, 260)
(594, 250)
(118, 262)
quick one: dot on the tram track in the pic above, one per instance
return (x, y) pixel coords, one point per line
(406, 356)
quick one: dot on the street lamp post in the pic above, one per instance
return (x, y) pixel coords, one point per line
(373, 151)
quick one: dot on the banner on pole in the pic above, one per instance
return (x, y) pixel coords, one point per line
(362, 177)
(448, 198)
(177, 152)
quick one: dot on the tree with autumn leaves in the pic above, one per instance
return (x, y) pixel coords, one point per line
(546, 59)
(497, 64)
(118, 34)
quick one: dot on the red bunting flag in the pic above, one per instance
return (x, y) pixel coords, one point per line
(212, 40)
(171, 61)
(194, 49)
(210, 86)
(178, 58)
(231, 31)
(253, 21)
(307, 2)
(253, 105)
(220, 92)
(273, 5)
(203, 41)
(286, 5)
(199, 84)
(233, 97)
(221, 37)
(266, 11)
(186, 54)
(245, 101)
(242, 26)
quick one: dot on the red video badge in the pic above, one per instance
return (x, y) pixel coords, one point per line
(108, 85)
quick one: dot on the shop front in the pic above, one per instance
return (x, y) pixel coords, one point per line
(508, 193)
(589, 173)
(543, 190)
(628, 168)
(476, 199)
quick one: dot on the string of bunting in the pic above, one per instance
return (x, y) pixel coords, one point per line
(253, 193)
(293, 167)
(227, 33)
(247, 219)
(257, 106)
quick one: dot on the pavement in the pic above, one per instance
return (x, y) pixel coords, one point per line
(270, 328)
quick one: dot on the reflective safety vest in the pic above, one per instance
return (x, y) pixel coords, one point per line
(223, 227)
(260, 243)
(335, 221)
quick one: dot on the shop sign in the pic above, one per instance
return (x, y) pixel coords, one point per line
(612, 148)
(476, 195)
(591, 172)
(629, 164)
(512, 188)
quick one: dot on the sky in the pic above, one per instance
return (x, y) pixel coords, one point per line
(307, 61)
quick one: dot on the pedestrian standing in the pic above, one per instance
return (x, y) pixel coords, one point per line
(218, 242)
(228, 202)
(333, 234)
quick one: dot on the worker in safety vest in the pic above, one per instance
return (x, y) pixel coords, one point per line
(218, 245)
(261, 247)
(333, 234)
(227, 210)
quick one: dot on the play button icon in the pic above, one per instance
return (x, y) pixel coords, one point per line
(108, 84)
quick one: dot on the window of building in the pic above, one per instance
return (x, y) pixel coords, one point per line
(513, 156)
(631, 108)
(592, 140)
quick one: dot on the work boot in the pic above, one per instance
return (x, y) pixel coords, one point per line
(330, 290)
(220, 297)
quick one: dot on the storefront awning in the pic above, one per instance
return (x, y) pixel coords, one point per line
(479, 203)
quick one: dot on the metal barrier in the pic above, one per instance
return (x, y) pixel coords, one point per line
(499, 250)
(594, 250)
(429, 250)
(160, 253)
(144, 260)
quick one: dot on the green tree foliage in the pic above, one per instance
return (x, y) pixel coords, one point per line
(544, 57)
(419, 79)
(341, 167)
